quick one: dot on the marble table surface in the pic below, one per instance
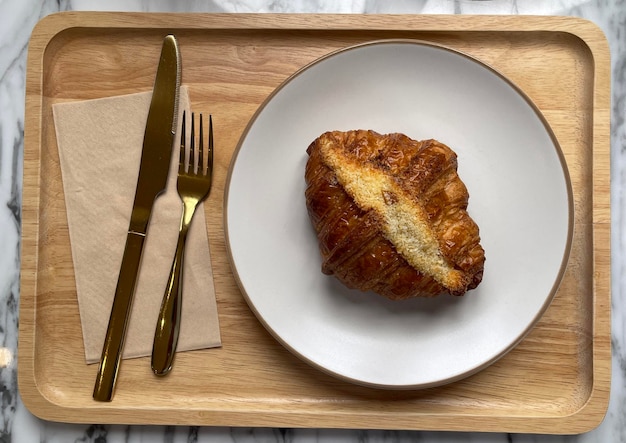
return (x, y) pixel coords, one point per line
(17, 19)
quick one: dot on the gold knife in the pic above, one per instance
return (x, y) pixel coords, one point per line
(155, 160)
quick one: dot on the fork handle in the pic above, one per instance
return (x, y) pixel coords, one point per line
(168, 323)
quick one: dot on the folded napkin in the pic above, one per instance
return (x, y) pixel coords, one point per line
(100, 143)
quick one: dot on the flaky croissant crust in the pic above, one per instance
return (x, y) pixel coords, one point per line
(370, 196)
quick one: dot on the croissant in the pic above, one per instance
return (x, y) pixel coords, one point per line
(391, 216)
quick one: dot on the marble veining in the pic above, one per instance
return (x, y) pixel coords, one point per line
(17, 19)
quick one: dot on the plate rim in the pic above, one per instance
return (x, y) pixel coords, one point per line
(566, 251)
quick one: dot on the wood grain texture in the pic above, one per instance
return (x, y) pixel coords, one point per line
(556, 380)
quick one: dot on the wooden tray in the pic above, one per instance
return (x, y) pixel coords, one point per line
(556, 381)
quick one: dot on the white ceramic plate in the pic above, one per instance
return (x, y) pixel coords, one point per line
(520, 196)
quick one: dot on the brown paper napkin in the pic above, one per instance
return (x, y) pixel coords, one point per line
(100, 143)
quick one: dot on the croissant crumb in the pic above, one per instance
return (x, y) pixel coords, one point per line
(391, 214)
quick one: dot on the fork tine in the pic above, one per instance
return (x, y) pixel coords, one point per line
(210, 151)
(181, 160)
(192, 159)
(201, 149)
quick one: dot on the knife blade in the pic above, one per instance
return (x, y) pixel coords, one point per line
(155, 160)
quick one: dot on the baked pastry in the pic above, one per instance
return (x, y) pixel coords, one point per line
(390, 215)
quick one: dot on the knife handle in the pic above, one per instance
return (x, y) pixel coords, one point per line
(168, 323)
(118, 321)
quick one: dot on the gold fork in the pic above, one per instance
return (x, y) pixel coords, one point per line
(193, 187)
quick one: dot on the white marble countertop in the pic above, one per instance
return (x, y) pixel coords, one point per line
(17, 19)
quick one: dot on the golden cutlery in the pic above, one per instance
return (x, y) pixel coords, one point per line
(153, 171)
(194, 185)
